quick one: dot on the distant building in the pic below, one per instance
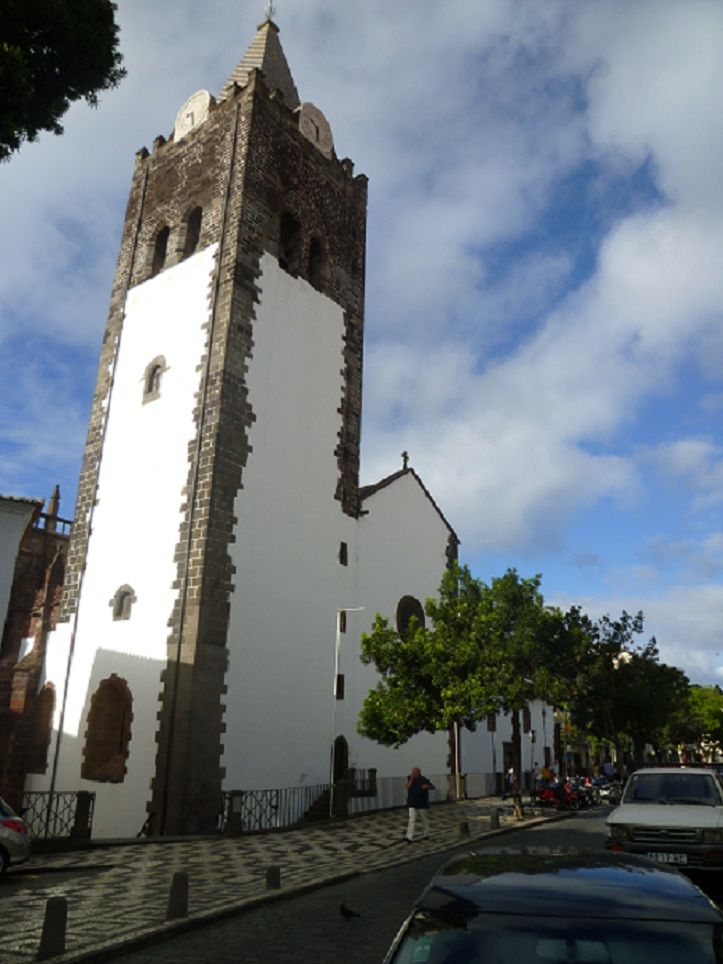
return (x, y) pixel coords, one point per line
(33, 547)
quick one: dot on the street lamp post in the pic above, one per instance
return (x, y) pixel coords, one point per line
(337, 664)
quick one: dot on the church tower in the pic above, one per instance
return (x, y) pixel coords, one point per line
(222, 456)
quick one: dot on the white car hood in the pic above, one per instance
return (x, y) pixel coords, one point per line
(667, 815)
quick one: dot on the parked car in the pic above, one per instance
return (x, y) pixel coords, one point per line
(504, 906)
(14, 839)
(672, 815)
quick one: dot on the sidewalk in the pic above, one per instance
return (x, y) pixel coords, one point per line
(118, 895)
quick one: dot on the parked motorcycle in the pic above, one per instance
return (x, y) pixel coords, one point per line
(611, 792)
(557, 796)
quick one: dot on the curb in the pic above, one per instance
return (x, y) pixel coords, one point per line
(167, 930)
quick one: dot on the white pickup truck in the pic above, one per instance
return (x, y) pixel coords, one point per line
(672, 815)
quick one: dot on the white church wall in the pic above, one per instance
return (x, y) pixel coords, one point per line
(482, 751)
(402, 545)
(288, 582)
(135, 530)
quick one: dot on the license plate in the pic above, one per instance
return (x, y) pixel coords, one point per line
(666, 858)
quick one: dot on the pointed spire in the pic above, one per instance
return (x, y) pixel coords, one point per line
(266, 54)
(51, 516)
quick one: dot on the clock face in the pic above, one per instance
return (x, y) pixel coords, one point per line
(193, 113)
(315, 127)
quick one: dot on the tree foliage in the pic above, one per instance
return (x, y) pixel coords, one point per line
(497, 646)
(703, 722)
(470, 662)
(53, 52)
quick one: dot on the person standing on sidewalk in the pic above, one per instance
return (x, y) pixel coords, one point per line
(418, 788)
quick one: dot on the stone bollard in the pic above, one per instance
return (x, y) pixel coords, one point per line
(234, 826)
(495, 820)
(464, 828)
(83, 815)
(178, 897)
(52, 941)
(273, 877)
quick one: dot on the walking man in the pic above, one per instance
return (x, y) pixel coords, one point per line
(418, 788)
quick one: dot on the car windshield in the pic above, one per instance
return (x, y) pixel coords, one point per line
(676, 787)
(502, 939)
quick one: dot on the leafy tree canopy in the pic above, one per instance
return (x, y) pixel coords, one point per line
(705, 707)
(469, 663)
(496, 646)
(52, 52)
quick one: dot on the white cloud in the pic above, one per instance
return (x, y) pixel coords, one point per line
(697, 462)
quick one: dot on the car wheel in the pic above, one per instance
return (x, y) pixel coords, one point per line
(4, 860)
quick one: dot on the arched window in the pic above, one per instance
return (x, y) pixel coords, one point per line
(122, 602)
(289, 243)
(317, 265)
(109, 732)
(41, 722)
(193, 231)
(152, 379)
(160, 250)
(409, 609)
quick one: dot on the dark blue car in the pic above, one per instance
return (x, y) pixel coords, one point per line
(516, 907)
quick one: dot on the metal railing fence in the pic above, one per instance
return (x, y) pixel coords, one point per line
(57, 814)
(251, 810)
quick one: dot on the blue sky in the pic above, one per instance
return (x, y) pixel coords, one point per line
(544, 273)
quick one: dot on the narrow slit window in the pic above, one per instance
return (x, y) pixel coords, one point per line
(152, 378)
(193, 232)
(160, 250)
(343, 554)
(289, 243)
(316, 264)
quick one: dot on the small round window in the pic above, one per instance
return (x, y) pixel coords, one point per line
(409, 608)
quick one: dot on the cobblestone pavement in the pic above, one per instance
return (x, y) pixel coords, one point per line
(119, 894)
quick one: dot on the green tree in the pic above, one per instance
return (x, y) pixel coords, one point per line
(428, 677)
(474, 659)
(53, 52)
(705, 718)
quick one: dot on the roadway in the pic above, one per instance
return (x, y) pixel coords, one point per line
(311, 928)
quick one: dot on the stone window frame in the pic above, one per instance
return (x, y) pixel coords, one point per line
(407, 608)
(122, 602)
(108, 732)
(152, 377)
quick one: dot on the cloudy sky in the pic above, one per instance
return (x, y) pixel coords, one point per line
(544, 273)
